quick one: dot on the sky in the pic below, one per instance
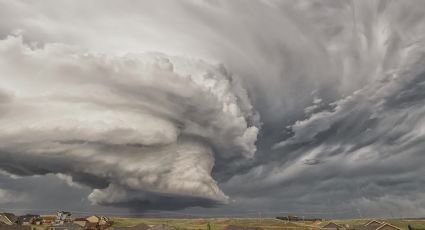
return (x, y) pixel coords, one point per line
(213, 107)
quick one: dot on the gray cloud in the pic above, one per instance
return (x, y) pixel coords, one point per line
(139, 122)
(371, 146)
(315, 103)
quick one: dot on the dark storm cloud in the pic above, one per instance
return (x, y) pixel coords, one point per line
(159, 201)
(315, 103)
(371, 145)
(122, 123)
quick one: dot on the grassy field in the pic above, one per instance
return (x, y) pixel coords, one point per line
(215, 223)
(265, 223)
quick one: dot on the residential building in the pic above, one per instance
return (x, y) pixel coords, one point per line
(63, 217)
(80, 221)
(375, 225)
(27, 219)
(8, 218)
(103, 220)
(91, 226)
(93, 219)
(47, 219)
(333, 226)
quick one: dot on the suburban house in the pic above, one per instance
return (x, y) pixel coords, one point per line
(27, 219)
(96, 222)
(375, 225)
(63, 217)
(103, 220)
(37, 220)
(47, 219)
(93, 219)
(8, 218)
(66, 226)
(387, 226)
(333, 226)
(80, 221)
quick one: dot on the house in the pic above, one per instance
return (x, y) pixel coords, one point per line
(362, 227)
(37, 221)
(93, 219)
(234, 227)
(27, 219)
(333, 226)
(91, 226)
(104, 222)
(67, 226)
(80, 221)
(96, 222)
(8, 218)
(63, 217)
(375, 225)
(387, 226)
(47, 219)
(92, 222)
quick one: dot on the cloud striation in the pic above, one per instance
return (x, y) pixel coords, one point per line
(308, 107)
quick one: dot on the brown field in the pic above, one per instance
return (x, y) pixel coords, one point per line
(265, 223)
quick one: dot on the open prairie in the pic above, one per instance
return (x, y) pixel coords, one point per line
(265, 223)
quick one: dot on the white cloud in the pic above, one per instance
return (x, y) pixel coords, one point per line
(8, 196)
(145, 122)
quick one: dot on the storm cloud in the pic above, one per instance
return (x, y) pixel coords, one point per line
(313, 107)
(144, 122)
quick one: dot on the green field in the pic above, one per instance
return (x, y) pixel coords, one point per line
(265, 223)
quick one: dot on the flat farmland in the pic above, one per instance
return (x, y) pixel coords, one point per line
(265, 223)
(215, 223)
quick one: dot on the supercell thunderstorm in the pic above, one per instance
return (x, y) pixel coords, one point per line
(137, 125)
(223, 105)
